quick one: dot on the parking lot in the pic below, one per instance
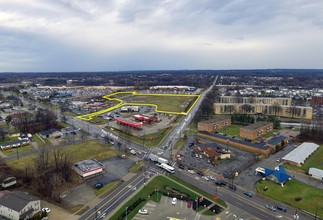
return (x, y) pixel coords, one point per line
(166, 210)
(239, 160)
(83, 193)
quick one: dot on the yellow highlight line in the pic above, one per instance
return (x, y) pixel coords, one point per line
(88, 117)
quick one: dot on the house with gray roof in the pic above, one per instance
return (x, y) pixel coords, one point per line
(18, 205)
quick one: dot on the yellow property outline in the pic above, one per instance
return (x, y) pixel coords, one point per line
(88, 117)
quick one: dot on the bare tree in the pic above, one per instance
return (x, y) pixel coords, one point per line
(275, 109)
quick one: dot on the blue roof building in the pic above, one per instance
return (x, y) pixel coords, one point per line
(278, 175)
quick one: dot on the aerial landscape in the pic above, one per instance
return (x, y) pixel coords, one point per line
(153, 110)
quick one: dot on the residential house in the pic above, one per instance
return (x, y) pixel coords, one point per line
(18, 205)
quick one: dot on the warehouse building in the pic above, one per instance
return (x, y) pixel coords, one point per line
(298, 156)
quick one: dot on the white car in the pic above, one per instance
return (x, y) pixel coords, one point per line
(210, 177)
(143, 212)
(47, 210)
(206, 178)
(174, 200)
(133, 152)
(190, 171)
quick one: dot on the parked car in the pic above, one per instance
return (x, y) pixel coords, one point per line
(271, 207)
(143, 211)
(133, 152)
(249, 194)
(47, 210)
(98, 185)
(174, 200)
(281, 208)
(220, 183)
(232, 187)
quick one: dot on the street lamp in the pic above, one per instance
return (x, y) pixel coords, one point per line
(197, 204)
(127, 213)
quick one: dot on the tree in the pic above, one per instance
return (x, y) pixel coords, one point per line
(246, 108)
(46, 117)
(3, 132)
(275, 109)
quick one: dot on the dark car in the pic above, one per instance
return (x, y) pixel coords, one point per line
(220, 183)
(200, 173)
(98, 185)
(281, 208)
(232, 187)
(249, 194)
(181, 166)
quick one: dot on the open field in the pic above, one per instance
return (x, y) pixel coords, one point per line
(310, 197)
(22, 149)
(79, 151)
(233, 130)
(315, 160)
(153, 191)
(164, 103)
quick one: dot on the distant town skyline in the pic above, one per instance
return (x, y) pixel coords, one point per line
(120, 35)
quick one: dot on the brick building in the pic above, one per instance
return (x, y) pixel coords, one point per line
(253, 131)
(214, 124)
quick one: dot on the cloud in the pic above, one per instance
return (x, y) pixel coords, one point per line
(125, 34)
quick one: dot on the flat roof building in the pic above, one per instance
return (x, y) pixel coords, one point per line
(316, 173)
(88, 168)
(298, 156)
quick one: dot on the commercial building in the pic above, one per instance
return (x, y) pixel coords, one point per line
(214, 124)
(253, 131)
(298, 156)
(280, 107)
(88, 168)
(18, 205)
(278, 175)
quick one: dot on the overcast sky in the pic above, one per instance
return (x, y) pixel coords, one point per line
(108, 35)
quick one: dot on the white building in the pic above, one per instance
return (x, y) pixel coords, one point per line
(316, 173)
(18, 205)
(298, 156)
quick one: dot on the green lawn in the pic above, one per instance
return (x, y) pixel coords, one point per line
(310, 197)
(22, 149)
(315, 160)
(79, 151)
(233, 130)
(164, 103)
(155, 189)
